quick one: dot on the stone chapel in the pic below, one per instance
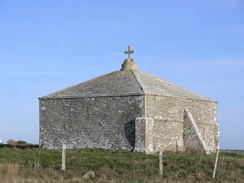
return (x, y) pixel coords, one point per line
(129, 110)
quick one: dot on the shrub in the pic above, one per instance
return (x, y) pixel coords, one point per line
(21, 142)
(11, 142)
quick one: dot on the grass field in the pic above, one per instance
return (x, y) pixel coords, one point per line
(39, 165)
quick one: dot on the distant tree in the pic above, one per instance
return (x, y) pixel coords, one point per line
(11, 142)
(21, 142)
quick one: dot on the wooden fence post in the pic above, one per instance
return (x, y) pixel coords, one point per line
(216, 162)
(160, 160)
(63, 156)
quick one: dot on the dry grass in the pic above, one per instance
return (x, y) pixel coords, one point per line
(37, 165)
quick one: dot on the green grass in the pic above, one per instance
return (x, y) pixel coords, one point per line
(37, 165)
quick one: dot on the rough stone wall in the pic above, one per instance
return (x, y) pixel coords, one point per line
(192, 136)
(143, 134)
(102, 122)
(168, 114)
(210, 134)
(168, 135)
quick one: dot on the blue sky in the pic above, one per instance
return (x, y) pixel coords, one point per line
(46, 46)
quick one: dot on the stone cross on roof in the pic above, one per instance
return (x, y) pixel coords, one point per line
(129, 52)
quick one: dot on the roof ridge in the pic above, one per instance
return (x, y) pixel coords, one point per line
(114, 83)
(141, 87)
(126, 82)
(152, 84)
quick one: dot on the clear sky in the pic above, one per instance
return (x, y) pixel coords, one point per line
(46, 46)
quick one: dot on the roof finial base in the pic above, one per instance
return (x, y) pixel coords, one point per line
(129, 64)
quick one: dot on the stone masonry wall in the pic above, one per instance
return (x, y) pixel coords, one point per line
(168, 114)
(168, 135)
(102, 122)
(192, 136)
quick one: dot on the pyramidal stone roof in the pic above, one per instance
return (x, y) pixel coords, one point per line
(126, 82)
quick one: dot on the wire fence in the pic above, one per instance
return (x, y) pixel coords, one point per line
(116, 164)
(93, 160)
(80, 160)
(240, 152)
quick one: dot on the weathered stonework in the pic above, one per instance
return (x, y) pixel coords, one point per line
(101, 122)
(192, 136)
(129, 64)
(169, 118)
(129, 110)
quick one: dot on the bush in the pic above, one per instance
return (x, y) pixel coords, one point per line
(11, 142)
(21, 142)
